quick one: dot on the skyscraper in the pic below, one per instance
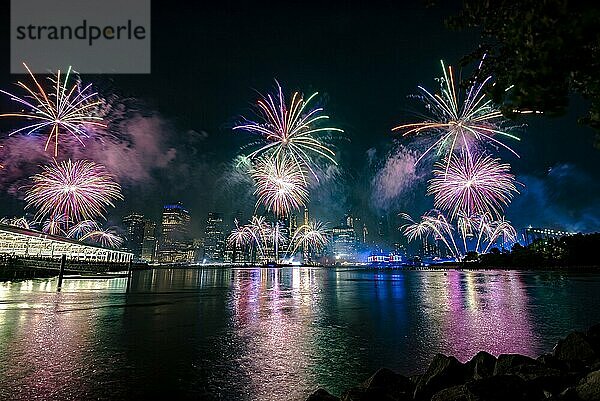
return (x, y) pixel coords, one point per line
(175, 245)
(343, 244)
(149, 241)
(134, 235)
(214, 238)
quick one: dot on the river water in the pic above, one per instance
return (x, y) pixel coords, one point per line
(270, 334)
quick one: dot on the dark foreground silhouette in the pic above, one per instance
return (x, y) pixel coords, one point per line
(570, 373)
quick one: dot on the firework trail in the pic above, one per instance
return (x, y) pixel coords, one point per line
(292, 131)
(55, 225)
(105, 238)
(258, 232)
(484, 228)
(311, 237)
(61, 109)
(472, 185)
(83, 228)
(280, 185)
(459, 123)
(433, 223)
(78, 190)
(20, 222)
(239, 236)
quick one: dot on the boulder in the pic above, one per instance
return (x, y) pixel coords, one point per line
(588, 388)
(455, 393)
(365, 394)
(574, 347)
(569, 394)
(391, 384)
(443, 372)
(502, 388)
(354, 394)
(551, 361)
(544, 378)
(593, 336)
(482, 365)
(322, 395)
(508, 363)
(415, 379)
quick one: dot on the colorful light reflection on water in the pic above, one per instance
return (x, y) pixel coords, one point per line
(262, 334)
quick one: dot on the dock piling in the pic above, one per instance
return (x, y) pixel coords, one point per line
(61, 273)
(129, 268)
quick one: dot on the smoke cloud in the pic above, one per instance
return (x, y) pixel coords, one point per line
(565, 197)
(395, 181)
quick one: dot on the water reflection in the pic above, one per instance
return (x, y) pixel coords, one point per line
(472, 311)
(262, 334)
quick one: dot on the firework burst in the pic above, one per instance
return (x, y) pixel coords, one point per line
(63, 108)
(280, 185)
(483, 229)
(55, 225)
(310, 236)
(106, 238)
(459, 123)
(292, 130)
(83, 228)
(78, 190)
(20, 222)
(471, 186)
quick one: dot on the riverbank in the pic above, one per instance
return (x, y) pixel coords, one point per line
(570, 373)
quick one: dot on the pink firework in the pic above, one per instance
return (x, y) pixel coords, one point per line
(472, 185)
(62, 108)
(80, 190)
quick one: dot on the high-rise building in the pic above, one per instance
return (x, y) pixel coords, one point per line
(343, 244)
(175, 245)
(149, 241)
(382, 229)
(214, 238)
(134, 234)
(348, 220)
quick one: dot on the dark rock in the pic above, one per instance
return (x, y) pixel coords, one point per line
(553, 362)
(443, 372)
(569, 394)
(501, 388)
(391, 383)
(415, 379)
(593, 336)
(544, 378)
(322, 395)
(574, 347)
(456, 393)
(588, 388)
(354, 394)
(507, 363)
(482, 365)
(365, 394)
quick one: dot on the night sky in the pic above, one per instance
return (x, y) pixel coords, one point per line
(209, 59)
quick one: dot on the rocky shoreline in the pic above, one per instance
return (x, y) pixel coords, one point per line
(570, 373)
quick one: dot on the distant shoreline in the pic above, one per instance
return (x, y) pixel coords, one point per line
(32, 274)
(383, 268)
